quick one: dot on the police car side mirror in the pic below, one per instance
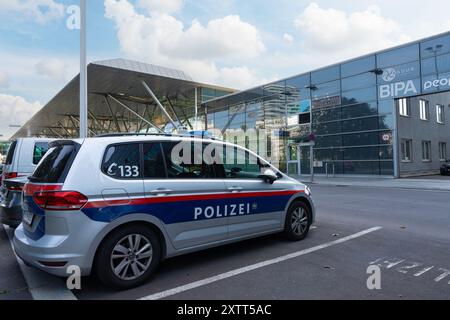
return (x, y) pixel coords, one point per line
(268, 175)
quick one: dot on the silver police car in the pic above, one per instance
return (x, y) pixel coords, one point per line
(118, 205)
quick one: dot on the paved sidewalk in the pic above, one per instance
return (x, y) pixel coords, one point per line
(404, 183)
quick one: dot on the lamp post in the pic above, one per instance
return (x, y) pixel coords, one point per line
(312, 136)
(83, 73)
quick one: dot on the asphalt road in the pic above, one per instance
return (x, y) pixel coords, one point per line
(12, 282)
(411, 249)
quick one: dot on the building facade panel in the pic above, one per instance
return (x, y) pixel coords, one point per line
(352, 112)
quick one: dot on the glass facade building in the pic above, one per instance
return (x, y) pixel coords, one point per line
(348, 111)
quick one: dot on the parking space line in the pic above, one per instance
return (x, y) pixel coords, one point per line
(42, 286)
(232, 273)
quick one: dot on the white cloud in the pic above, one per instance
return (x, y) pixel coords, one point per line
(15, 110)
(288, 38)
(239, 77)
(26, 81)
(53, 68)
(4, 79)
(347, 34)
(163, 6)
(42, 11)
(160, 38)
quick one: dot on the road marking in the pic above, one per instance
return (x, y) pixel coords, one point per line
(388, 264)
(42, 286)
(445, 273)
(418, 274)
(232, 273)
(407, 266)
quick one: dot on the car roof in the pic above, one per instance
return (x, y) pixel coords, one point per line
(35, 139)
(143, 138)
(129, 138)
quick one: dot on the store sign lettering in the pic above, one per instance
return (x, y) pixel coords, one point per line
(401, 88)
(443, 82)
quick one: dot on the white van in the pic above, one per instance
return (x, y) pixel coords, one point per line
(23, 156)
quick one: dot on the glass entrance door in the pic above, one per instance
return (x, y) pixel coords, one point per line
(293, 159)
(299, 159)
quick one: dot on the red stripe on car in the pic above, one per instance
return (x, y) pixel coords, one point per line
(168, 199)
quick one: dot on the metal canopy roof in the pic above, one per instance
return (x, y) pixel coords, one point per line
(120, 78)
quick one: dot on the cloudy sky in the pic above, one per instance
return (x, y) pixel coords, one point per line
(227, 42)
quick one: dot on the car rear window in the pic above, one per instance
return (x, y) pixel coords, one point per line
(10, 155)
(40, 149)
(55, 165)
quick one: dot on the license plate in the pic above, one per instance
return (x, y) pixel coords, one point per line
(27, 217)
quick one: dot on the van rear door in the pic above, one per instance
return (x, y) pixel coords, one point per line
(9, 172)
(31, 152)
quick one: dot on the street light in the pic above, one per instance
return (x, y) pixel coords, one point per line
(83, 73)
(312, 136)
(377, 71)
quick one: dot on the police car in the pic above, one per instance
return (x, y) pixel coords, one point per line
(118, 205)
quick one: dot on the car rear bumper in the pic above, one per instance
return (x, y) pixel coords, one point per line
(38, 254)
(71, 244)
(11, 216)
(11, 207)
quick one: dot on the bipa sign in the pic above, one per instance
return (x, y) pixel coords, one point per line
(402, 88)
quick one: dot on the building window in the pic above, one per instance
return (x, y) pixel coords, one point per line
(424, 109)
(406, 147)
(403, 107)
(426, 151)
(304, 118)
(440, 113)
(442, 151)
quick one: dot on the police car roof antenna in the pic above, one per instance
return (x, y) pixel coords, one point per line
(158, 103)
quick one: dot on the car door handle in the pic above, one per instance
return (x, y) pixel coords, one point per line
(235, 189)
(160, 192)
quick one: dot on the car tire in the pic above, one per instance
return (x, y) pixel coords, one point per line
(298, 221)
(128, 257)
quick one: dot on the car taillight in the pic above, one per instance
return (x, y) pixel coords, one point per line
(14, 188)
(10, 175)
(60, 200)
